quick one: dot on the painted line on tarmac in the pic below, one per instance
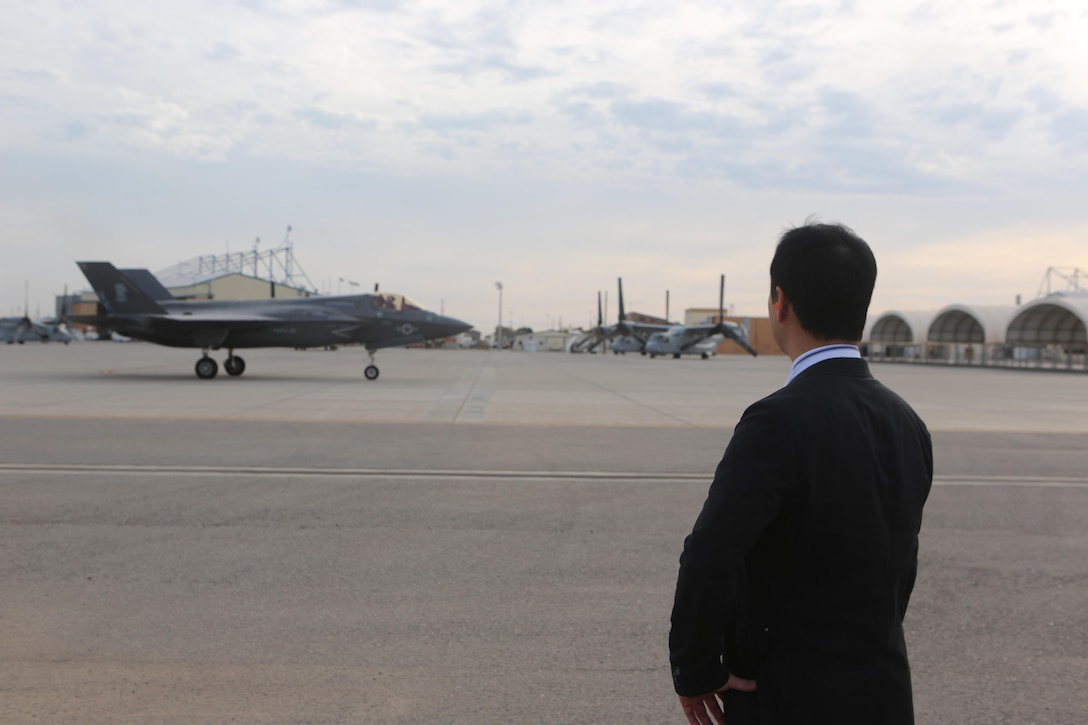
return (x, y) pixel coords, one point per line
(427, 474)
(145, 470)
(1011, 481)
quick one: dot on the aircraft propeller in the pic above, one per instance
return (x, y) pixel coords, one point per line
(593, 336)
(722, 328)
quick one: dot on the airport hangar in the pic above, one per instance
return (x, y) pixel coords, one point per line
(1047, 333)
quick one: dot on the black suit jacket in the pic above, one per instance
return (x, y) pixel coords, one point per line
(800, 566)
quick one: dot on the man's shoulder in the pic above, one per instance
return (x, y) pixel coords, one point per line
(840, 380)
(845, 383)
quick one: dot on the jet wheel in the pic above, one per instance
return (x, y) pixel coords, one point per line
(371, 372)
(234, 365)
(705, 355)
(206, 368)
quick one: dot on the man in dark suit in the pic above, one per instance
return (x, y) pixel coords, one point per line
(795, 579)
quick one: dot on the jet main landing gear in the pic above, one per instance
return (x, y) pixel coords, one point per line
(234, 365)
(207, 368)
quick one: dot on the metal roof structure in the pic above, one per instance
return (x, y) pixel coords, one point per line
(904, 327)
(272, 265)
(970, 323)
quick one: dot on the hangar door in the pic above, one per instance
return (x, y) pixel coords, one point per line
(1055, 336)
(956, 337)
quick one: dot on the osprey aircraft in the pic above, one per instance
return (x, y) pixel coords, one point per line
(624, 336)
(133, 303)
(653, 339)
(21, 329)
(698, 339)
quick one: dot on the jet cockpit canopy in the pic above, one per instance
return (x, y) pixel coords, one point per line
(394, 301)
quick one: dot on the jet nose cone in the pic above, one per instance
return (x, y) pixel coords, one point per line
(450, 326)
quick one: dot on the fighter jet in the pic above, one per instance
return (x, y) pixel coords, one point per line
(696, 339)
(141, 308)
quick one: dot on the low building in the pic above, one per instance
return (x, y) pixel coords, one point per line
(546, 341)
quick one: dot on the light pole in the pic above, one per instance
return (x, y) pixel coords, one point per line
(498, 330)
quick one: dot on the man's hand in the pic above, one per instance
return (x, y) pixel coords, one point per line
(705, 709)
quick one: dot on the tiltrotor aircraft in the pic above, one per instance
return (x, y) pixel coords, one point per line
(655, 339)
(698, 339)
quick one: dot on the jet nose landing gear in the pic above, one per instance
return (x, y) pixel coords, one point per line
(371, 371)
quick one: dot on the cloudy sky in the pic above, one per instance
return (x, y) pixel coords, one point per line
(438, 147)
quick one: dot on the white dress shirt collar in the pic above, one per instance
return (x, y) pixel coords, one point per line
(818, 355)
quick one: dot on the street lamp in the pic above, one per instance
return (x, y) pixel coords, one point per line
(498, 330)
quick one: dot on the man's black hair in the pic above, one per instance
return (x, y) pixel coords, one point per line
(828, 273)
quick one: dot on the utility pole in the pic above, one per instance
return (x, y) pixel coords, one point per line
(498, 329)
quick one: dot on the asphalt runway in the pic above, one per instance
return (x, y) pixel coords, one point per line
(476, 537)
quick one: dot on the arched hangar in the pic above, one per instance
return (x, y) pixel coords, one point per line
(899, 334)
(1051, 331)
(967, 334)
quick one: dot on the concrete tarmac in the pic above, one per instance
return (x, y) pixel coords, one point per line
(476, 537)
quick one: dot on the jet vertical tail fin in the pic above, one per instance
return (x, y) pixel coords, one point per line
(117, 293)
(148, 283)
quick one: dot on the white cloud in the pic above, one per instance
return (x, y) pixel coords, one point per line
(674, 139)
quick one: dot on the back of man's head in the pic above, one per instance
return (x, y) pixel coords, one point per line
(828, 273)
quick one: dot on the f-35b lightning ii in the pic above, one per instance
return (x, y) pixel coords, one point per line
(133, 303)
